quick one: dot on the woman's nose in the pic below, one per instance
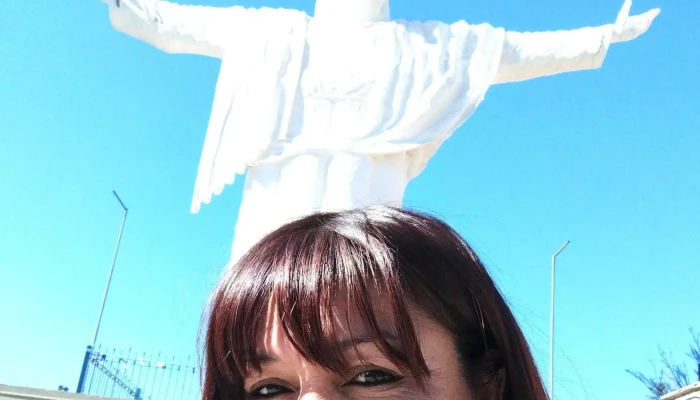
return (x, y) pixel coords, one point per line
(313, 396)
(321, 395)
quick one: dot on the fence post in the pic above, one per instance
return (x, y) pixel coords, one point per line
(84, 370)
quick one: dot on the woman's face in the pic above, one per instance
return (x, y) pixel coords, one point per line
(286, 375)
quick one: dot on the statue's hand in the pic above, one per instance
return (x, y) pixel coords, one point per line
(632, 27)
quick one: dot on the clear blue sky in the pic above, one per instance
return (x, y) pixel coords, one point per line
(607, 158)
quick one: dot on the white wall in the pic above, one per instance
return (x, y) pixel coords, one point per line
(20, 393)
(691, 392)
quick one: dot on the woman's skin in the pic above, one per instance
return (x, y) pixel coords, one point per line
(286, 375)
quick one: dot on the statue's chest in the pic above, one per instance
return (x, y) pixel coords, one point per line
(348, 64)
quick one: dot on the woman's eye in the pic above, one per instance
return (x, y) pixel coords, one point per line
(373, 378)
(268, 391)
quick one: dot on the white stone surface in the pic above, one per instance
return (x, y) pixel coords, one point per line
(344, 108)
(691, 392)
(24, 393)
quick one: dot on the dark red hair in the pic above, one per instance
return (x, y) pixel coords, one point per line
(408, 258)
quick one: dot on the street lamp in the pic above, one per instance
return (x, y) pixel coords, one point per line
(91, 347)
(111, 269)
(551, 324)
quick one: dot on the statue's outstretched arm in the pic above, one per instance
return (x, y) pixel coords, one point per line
(175, 28)
(533, 55)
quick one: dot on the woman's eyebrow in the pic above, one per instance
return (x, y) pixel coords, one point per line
(344, 344)
(264, 358)
(349, 342)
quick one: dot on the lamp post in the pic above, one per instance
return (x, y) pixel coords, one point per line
(551, 323)
(91, 347)
(111, 269)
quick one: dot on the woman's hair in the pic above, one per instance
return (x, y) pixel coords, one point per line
(409, 259)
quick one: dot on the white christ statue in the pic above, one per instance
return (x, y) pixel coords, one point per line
(343, 109)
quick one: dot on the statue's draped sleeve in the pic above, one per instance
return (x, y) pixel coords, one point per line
(261, 51)
(176, 28)
(529, 55)
(254, 98)
(532, 55)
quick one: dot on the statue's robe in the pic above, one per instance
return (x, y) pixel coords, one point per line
(321, 117)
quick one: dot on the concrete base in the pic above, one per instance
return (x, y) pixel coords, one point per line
(22, 393)
(691, 392)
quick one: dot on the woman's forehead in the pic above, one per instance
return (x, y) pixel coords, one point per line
(343, 318)
(350, 333)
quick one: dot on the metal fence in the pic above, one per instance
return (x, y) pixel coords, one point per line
(128, 375)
